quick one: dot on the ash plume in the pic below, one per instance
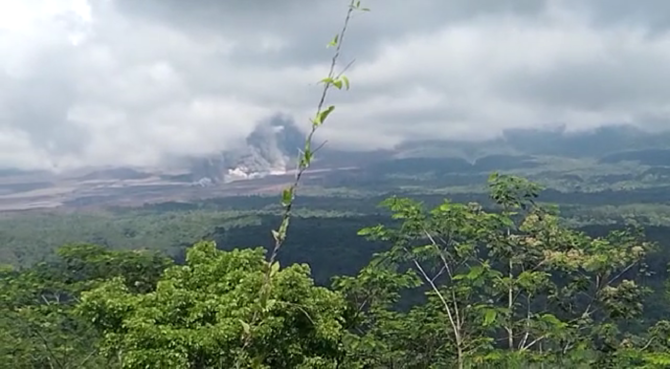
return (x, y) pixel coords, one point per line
(271, 149)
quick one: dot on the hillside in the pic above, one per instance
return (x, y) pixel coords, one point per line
(612, 158)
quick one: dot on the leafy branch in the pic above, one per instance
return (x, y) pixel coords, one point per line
(305, 158)
(306, 155)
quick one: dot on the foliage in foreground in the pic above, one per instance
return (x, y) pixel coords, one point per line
(458, 286)
(39, 327)
(199, 311)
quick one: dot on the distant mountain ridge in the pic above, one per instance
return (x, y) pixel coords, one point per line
(272, 148)
(546, 142)
(263, 165)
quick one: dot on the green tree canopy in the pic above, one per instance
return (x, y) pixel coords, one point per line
(198, 316)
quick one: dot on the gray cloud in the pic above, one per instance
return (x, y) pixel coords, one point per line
(652, 15)
(133, 82)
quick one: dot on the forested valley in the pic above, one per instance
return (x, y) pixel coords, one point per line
(540, 252)
(499, 283)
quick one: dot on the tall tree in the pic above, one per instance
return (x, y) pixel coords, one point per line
(39, 327)
(508, 285)
(198, 316)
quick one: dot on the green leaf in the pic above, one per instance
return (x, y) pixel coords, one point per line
(475, 272)
(327, 80)
(346, 81)
(333, 42)
(306, 158)
(657, 358)
(270, 303)
(551, 319)
(287, 196)
(489, 317)
(245, 327)
(321, 117)
(274, 268)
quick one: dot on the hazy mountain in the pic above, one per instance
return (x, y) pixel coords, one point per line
(270, 151)
(272, 148)
(595, 143)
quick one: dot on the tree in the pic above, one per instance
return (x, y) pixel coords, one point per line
(38, 324)
(509, 285)
(197, 317)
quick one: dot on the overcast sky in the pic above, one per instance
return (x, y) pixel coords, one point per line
(130, 81)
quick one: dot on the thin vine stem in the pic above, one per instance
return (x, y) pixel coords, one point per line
(303, 162)
(304, 159)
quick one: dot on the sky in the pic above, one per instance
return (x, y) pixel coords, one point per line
(128, 82)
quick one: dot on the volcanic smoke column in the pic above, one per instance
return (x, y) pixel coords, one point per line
(271, 149)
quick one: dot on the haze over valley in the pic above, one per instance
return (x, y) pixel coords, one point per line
(236, 184)
(267, 161)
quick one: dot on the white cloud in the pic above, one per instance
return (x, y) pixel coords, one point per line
(128, 82)
(474, 78)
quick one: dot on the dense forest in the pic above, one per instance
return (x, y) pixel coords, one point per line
(420, 261)
(495, 276)
(502, 283)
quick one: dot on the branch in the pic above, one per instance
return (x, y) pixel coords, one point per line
(527, 333)
(446, 267)
(304, 160)
(533, 342)
(621, 273)
(303, 164)
(454, 325)
(646, 346)
(439, 273)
